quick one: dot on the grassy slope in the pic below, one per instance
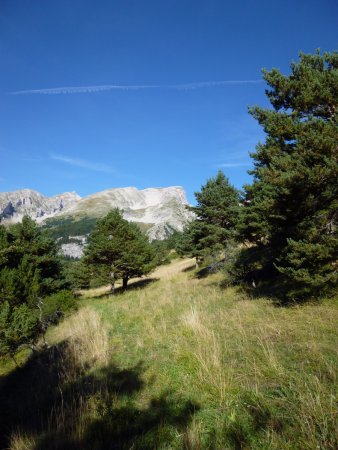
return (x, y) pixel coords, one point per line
(199, 367)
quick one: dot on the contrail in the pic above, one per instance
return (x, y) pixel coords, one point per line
(97, 167)
(126, 87)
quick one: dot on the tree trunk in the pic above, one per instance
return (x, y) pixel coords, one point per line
(112, 284)
(124, 282)
(112, 288)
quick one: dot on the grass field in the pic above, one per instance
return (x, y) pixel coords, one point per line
(178, 362)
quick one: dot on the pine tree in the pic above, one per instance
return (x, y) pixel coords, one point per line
(30, 270)
(216, 219)
(29, 263)
(118, 249)
(290, 213)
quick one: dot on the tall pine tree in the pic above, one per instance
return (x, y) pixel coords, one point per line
(290, 214)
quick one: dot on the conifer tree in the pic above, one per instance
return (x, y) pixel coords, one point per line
(216, 219)
(118, 249)
(290, 212)
(29, 263)
(30, 270)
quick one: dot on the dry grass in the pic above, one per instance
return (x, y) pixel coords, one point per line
(81, 348)
(87, 336)
(21, 441)
(260, 377)
(269, 372)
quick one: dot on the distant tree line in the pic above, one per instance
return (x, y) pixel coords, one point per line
(62, 229)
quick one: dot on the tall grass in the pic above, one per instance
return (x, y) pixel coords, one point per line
(87, 336)
(184, 364)
(82, 346)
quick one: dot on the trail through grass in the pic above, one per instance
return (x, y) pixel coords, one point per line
(182, 363)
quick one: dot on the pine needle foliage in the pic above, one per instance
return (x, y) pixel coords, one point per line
(118, 249)
(290, 214)
(216, 219)
(30, 272)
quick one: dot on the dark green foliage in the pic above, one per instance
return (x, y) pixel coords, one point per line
(56, 305)
(290, 212)
(191, 241)
(161, 252)
(18, 325)
(77, 273)
(62, 229)
(118, 249)
(30, 271)
(216, 218)
(164, 250)
(29, 264)
(217, 204)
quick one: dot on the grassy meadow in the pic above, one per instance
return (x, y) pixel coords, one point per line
(177, 362)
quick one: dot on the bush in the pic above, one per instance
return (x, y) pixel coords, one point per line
(18, 326)
(57, 305)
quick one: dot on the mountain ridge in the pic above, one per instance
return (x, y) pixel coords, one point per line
(159, 211)
(16, 204)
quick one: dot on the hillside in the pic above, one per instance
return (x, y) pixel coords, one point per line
(180, 362)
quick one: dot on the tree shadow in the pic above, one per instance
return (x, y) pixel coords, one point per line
(276, 290)
(210, 269)
(189, 268)
(133, 285)
(63, 406)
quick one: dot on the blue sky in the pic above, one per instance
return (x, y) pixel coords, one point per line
(157, 115)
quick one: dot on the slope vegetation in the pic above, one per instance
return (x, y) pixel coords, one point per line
(179, 362)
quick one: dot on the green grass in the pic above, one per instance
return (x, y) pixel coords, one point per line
(183, 363)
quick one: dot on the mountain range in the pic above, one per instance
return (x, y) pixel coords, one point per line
(158, 211)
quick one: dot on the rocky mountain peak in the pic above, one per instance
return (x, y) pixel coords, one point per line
(16, 204)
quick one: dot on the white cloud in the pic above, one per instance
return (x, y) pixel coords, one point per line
(97, 167)
(121, 87)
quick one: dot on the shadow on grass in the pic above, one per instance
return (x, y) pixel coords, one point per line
(134, 285)
(276, 291)
(64, 407)
(210, 269)
(189, 268)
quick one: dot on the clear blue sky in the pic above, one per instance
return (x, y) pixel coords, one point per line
(88, 140)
